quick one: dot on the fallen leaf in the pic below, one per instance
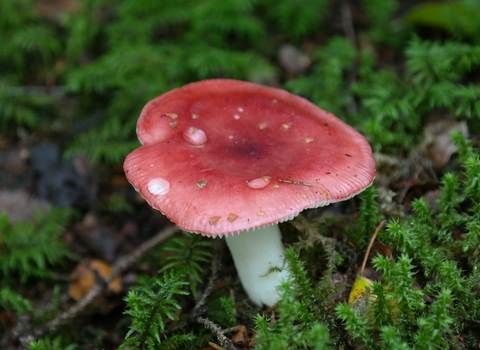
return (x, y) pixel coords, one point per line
(215, 346)
(83, 278)
(439, 135)
(361, 292)
(241, 336)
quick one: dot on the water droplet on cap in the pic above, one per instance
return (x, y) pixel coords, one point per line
(158, 186)
(260, 182)
(195, 136)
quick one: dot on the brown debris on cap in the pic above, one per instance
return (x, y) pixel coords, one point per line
(265, 156)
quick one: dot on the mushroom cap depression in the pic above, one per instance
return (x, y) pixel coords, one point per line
(221, 156)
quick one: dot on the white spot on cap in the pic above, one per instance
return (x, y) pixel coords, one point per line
(158, 186)
(259, 182)
(262, 126)
(240, 109)
(194, 116)
(236, 116)
(195, 136)
(309, 139)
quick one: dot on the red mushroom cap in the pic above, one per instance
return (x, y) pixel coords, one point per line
(222, 156)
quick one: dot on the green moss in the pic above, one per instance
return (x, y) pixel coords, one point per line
(30, 249)
(89, 72)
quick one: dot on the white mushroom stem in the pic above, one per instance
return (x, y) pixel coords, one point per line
(260, 261)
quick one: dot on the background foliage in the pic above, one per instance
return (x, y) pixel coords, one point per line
(77, 74)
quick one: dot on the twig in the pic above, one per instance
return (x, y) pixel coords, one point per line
(347, 24)
(206, 292)
(211, 282)
(349, 30)
(118, 267)
(233, 329)
(74, 310)
(224, 341)
(367, 253)
(129, 259)
(294, 182)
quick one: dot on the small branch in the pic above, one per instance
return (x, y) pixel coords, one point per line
(74, 310)
(122, 263)
(211, 282)
(294, 182)
(118, 267)
(367, 253)
(206, 292)
(224, 341)
(232, 329)
(347, 24)
(349, 30)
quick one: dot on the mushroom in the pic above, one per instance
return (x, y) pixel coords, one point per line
(232, 159)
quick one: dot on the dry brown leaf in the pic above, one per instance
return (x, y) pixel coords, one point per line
(83, 278)
(214, 346)
(439, 137)
(383, 249)
(241, 336)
